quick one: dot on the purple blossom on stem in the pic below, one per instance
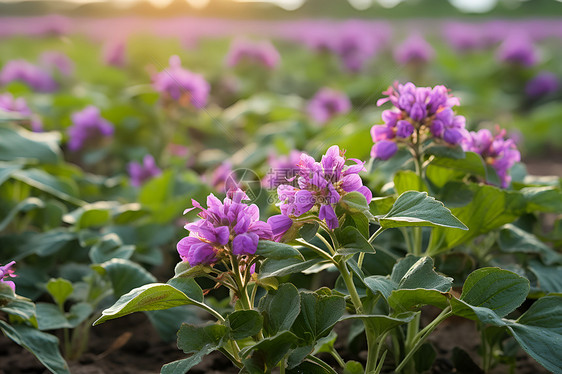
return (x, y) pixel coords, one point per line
(24, 71)
(229, 227)
(418, 111)
(414, 49)
(281, 169)
(260, 53)
(179, 84)
(88, 127)
(320, 186)
(57, 60)
(518, 48)
(498, 151)
(326, 104)
(6, 273)
(544, 83)
(114, 53)
(18, 105)
(142, 172)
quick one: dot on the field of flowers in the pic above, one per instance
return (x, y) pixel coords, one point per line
(311, 196)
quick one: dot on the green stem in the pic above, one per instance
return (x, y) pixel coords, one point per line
(417, 341)
(377, 233)
(411, 333)
(417, 241)
(318, 250)
(337, 357)
(348, 279)
(373, 343)
(322, 364)
(326, 243)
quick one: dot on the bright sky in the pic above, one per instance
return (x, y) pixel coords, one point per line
(464, 5)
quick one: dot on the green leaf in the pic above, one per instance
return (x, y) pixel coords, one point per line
(155, 296)
(16, 305)
(407, 180)
(489, 209)
(264, 356)
(24, 206)
(124, 275)
(424, 357)
(381, 323)
(188, 286)
(60, 289)
(43, 346)
(499, 290)
(244, 323)
(17, 143)
(197, 340)
(379, 284)
(50, 317)
(351, 241)
(414, 208)
(110, 246)
(6, 170)
(472, 163)
(63, 188)
(422, 275)
(539, 331)
(412, 299)
(184, 270)
(192, 339)
(355, 202)
(308, 230)
(317, 316)
(446, 152)
(543, 199)
(47, 243)
(277, 251)
(353, 367)
(279, 268)
(512, 239)
(280, 308)
(549, 278)
(310, 367)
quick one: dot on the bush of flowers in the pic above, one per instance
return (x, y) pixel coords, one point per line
(319, 195)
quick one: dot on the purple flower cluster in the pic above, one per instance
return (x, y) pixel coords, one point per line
(260, 53)
(18, 105)
(544, 83)
(229, 227)
(24, 71)
(326, 104)
(282, 169)
(518, 48)
(114, 53)
(142, 172)
(320, 185)
(88, 127)
(423, 111)
(6, 272)
(179, 84)
(498, 151)
(54, 60)
(413, 50)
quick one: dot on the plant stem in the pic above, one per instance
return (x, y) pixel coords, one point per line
(417, 241)
(328, 245)
(412, 331)
(348, 279)
(377, 233)
(412, 345)
(321, 363)
(337, 357)
(318, 251)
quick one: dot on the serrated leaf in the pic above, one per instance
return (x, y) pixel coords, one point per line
(244, 323)
(265, 355)
(317, 316)
(280, 308)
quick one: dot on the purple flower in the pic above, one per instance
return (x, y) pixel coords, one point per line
(281, 169)
(464, 36)
(10, 104)
(355, 45)
(23, 71)
(326, 104)
(320, 185)
(223, 178)
(57, 60)
(141, 172)
(280, 224)
(114, 53)
(229, 227)
(88, 127)
(414, 49)
(179, 84)
(544, 83)
(6, 272)
(498, 151)
(518, 48)
(260, 53)
(426, 111)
